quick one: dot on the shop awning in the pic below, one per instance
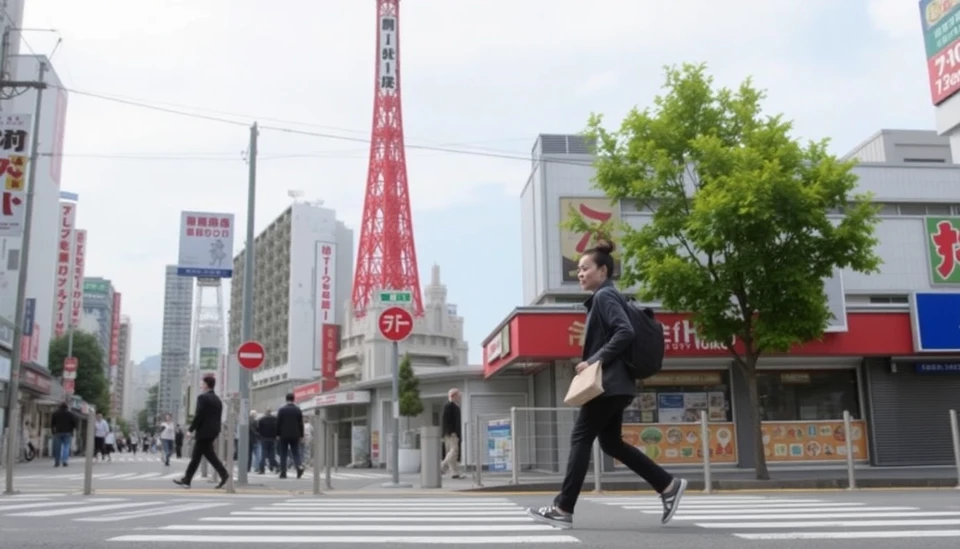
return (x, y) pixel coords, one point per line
(533, 336)
(342, 398)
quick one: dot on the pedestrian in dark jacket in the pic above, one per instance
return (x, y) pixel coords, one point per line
(205, 428)
(608, 338)
(290, 433)
(267, 426)
(62, 425)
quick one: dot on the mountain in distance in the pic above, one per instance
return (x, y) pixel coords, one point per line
(150, 364)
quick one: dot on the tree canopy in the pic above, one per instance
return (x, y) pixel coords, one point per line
(741, 233)
(91, 384)
(409, 388)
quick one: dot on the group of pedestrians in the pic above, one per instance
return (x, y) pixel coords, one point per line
(286, 428)
(287, 433)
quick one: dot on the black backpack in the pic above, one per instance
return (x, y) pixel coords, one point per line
(645, 357)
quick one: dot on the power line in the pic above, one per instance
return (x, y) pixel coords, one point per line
(486, 153)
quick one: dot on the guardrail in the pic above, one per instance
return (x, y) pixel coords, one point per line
(535, 442)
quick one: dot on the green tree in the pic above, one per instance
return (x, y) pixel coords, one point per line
(91, 383)
(740, 235)
(409, 390)
(121, 426)
(149, 410)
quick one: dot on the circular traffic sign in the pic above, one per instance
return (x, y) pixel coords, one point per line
(250, 355)
(395, 323)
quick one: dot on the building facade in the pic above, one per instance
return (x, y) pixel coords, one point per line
(175, 341)
(98, 300)
(120, 383)
(302, 262)
(873, 362)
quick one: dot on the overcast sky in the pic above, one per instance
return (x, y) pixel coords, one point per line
(487, 75)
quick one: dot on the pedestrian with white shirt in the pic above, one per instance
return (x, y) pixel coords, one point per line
(110, 445)
(168, 432)
(100, 430)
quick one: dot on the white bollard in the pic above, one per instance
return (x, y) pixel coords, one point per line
(955, 430)
(316, 449)
(228, 438)
(597, 466)
(848, 439)
(514, 449)
(705, 448)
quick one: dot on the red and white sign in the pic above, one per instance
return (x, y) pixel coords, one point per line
(250, 355)
(395, 323)
(305, 392)
(14, 150)
(65, 255)
(69, 373)
(327, 282)
(115, 332)
(79, 261)
(30, 345)
(330, 346)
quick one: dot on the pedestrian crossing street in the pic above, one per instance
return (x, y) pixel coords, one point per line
(177, 472)
(429, 521)
(766, 518)
(97, 509)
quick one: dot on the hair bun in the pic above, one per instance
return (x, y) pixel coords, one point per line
(605, 246)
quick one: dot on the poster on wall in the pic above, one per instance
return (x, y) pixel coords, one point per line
(573, 244)
(360, 444)
(498, 445)
(206, 245)
(14, 150)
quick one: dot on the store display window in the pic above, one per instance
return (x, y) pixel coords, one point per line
(678, 397)
(808, 395)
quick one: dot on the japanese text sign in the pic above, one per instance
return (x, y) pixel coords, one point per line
(572, 245)
(326, 282)
(943, 242)
(64, 281)
(387, 72)
(940, 20)
(80, 253)
(330, 341)
(206, 245)
(115, 331)
(14, 151)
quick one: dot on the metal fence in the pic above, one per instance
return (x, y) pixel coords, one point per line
(533, 444)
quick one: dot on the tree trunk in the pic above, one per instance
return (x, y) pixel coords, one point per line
(760, 460)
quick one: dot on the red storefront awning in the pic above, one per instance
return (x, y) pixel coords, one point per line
(531, 336)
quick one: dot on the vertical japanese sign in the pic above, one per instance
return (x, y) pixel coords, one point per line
(330, 346)
(940, 20)
(70, 367)
(206, 245)
(327, 282)
(14, 143)
(115, 332)
(389, 53)
(79, 261)
(65, 255)
(943, 243)
(29, 325)
(572, 245)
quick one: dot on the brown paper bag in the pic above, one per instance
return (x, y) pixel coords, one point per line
(586, 386)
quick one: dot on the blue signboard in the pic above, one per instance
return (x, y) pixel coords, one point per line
(938, 368)
(936, 322)
(29, 313)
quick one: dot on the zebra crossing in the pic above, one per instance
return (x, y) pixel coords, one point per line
(765, 518)
(427, 521)
(168, 476)
(96, 509)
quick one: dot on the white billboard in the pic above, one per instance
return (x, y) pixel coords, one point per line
(14, 150)
(206, 245)
(66, 261)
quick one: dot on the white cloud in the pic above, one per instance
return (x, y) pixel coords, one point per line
(487, 74)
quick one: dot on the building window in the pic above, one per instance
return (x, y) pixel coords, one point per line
(808, 395)
(888, 299)
(678, 397)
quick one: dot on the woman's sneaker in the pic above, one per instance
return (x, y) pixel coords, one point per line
(671, 499)
(552, 516)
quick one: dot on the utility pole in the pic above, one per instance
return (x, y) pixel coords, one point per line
(247, 329)
(13, 401)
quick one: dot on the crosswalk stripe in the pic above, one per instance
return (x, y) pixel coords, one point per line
(776, 510)
(366, 528)
(399, 513)
(794, 516)
(881, 534)
(24, 506)
(287, 518)
(832, 524)
(153, 512)
(84, 509)
(736, 508)
(418, 540)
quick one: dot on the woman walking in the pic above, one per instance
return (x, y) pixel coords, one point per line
(167, 436)
(607, 340)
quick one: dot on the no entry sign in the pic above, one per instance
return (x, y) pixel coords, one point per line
(250, 355)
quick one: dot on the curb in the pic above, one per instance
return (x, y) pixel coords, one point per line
(735, 485)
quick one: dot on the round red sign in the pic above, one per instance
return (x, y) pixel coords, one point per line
(250, 355)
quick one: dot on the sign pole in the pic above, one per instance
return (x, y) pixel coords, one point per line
(395, 325)
(247, 328)
(395, 359)
(13, 400)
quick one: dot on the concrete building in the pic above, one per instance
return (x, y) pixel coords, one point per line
(292, 256)
(36, 381)
(175, 341)
(890, 357)
(98, 311)
(121, 383)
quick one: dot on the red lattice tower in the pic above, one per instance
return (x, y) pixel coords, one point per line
(387, 256)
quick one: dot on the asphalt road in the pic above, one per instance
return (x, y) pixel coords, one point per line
(785, 520)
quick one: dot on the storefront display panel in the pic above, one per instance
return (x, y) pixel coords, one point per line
(813, 441)
(808, 395)
(680, 443)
